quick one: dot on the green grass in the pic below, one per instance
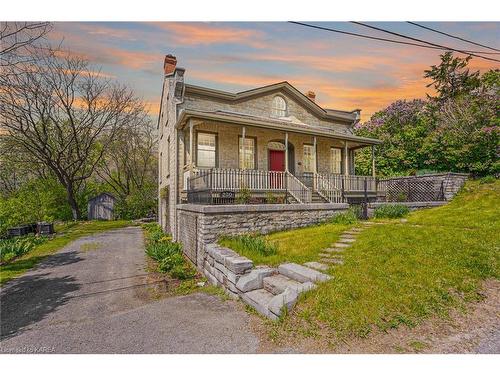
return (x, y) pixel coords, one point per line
(297, 245)
(66, 233)
(402, 273)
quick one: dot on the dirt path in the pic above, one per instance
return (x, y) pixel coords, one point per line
(93, 297)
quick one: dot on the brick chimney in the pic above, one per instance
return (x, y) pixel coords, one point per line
(169, 64)
(311, 95)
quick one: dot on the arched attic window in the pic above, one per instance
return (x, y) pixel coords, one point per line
(279, 107)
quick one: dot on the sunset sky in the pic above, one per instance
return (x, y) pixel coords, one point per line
(345, 72)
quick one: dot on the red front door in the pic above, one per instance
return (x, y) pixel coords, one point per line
(277, 164)
(276, 160)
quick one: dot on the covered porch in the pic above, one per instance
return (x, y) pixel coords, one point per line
(232, 158)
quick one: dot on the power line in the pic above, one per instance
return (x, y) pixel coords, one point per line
(423, 41)
(452, 36)
(377, 38)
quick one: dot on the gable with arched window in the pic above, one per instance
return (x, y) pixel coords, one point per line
(279, 107)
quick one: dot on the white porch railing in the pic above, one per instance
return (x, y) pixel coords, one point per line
(237, 179)
(327, 188)
(297, 189)
(331, 187)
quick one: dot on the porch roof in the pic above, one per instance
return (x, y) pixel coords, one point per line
(237, 118)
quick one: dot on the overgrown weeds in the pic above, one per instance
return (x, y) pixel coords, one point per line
(391, 211)
(14, 247)
(348, 217)
(166, 253)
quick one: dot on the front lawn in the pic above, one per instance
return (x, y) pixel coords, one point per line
(401, 273)
(66, 233)
(297, 245)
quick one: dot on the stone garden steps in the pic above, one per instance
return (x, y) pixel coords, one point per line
(259, 299)
(268, 290)
(277, 284)
(302, 273)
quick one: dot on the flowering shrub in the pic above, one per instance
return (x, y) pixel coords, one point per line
(455, 131)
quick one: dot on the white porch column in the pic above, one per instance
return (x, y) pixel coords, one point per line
(315, 146)
(191, 145)
(243, 134)
(286, 151)
(346, 159)
(373, 160)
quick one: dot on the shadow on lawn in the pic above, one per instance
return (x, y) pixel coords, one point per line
(28, 299)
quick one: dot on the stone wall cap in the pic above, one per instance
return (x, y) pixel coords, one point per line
(249, 208)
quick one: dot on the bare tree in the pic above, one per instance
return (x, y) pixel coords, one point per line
(18, 38)
(130, 162)
(64, 115)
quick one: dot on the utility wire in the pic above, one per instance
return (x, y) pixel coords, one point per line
(423, 41)
(378, 38)
(452, 36)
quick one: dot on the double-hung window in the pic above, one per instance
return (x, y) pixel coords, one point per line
(308, 159)
(206, 150)
(335, 160)
(247, 154)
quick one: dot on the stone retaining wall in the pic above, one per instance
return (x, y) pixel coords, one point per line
(210, 222)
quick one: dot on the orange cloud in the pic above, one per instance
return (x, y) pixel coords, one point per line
(330, 94)
(205, 33)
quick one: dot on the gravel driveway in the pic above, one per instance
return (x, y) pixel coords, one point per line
(92, 297)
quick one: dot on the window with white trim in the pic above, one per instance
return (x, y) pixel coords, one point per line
(206, 150)
(335, 160)
(279, 107)
(308, 158)
(247, 160)
(168, 156)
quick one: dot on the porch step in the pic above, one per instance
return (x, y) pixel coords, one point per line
(316, 198)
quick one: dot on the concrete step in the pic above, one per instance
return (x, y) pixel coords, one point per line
(301, 273)
(331, 256)
(324, 255)
(259, 299)
(317, 266)
(340, 244)
(336, 261)
(277, 284)
(334, 250)
(353, 232)
(347, 235)
(347, 240)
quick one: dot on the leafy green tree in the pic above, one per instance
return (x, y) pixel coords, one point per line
(457, 130)
(402, 127)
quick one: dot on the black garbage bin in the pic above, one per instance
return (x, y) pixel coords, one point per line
(21, 230)
(45, 228)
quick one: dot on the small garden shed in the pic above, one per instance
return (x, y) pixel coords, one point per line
(101, 207)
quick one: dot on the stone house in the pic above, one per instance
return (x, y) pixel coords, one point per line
(264, 159)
